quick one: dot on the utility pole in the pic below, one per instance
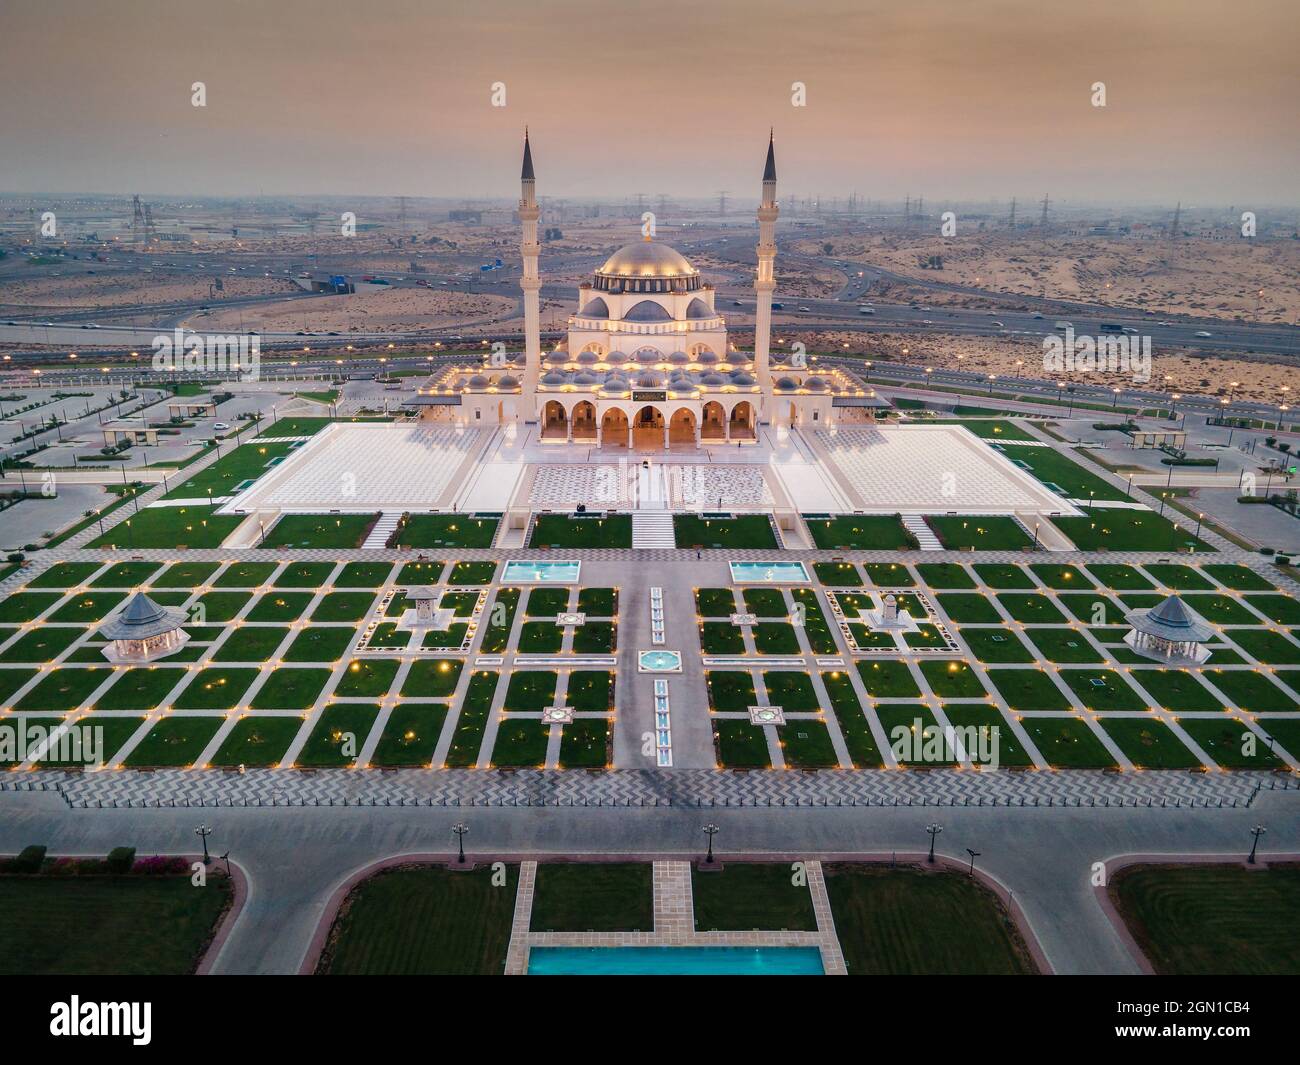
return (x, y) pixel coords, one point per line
(1011, 222)
(1042, 224)
(1173, 226)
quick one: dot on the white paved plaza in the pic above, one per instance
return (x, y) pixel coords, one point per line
(933, 469)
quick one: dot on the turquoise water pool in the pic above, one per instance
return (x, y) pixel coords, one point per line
(519, 572)
(675, 961)
(768, 573)
(660, 662)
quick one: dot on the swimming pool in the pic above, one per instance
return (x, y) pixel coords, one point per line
(668, 961)
(768, 573)
(520, 572)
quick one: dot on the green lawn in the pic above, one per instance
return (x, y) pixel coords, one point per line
(141, 688)
(426, 921)
(250, 643)
(500, 617)
(531, 690)
(1252, 691)
(1028, 689)
(61, 690)
(841, 574)
(521, 743)
(1220, 609)
(338, 737)
(598, 602)
(87, 606)
(585, 744)
(171, 528)
(1102, 689)
(26, 606)
(125, 575)
(410, 736)
(986, 533)
(968, 608)
(1067, 742)
(472, 721)
(64, 575)
(590, 689)
(911, 747)
(1213, 920)
(245, 575)
(432, 678)
(945, 575)
(742, 896)
(1224, 739)
(290, 689)
(343, 606)
(363, 575)
(1178, 577)
(765, 602)
(42, 644)
(888, 678)
(596, 897)
(1062, 578)
(595, 637)
(418, 573)
(820, 637)
(1062, 645)
(1242, 578)
(304, 574)
(904, 921)
(741, 745)
(998, 645)
(107, 925)
(1148, 743)
(234, 467)
(721, 638)
(1050, 466)
(775, 638)
(1129, 530)
(730, 690)
(1118, 577)
(889, 574)
(585, 530)
(367, 678)
(790, 689)
(333, 531)
(1176, 689)
(996, 740)
(447, 530)
(878, 532)
(742, 531)
(547, 602)
(469, 573)
(1004, 575)
(806, 744)
(853, 723)
(953, 680)
(1267, 646)
(715, 602)
(540, 637)
(1032, 608)
(320, 643)
(257, 741)
(279, 606)
(174, 741)
(1283, 609)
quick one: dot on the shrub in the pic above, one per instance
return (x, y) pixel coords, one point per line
(29, 859)
(120, 859)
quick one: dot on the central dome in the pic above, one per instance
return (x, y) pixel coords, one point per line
(647, 259)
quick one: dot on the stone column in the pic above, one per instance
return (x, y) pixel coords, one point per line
(726, 426)
(600, 432)
(699, 429)
(666, 428)
(630, 430)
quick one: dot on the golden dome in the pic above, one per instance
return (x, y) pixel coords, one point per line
(647, 259)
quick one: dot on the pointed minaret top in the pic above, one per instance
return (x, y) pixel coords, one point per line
(769, 171)
(527, 174)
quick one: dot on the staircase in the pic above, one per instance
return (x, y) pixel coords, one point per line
(384, 528)
(652, 528)
(915, 524)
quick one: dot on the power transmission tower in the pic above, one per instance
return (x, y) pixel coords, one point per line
(1042, 223)
(137, 221)
(1011, 222)
(722, 204)
(907, 209)
(1173, 226)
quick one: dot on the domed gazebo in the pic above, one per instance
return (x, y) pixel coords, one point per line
(1169, 632)
(143, 631)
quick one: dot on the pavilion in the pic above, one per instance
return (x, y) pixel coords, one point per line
(1169, 632)
(143, 632)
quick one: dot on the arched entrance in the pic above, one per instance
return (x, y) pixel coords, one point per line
(741, 423)
(713, 425)
(648, 429)
(681, 427)
(613, 429)
(555, 423)
(584, 420)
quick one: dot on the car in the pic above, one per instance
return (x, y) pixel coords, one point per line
(11, 323)
(736, 303)
(1038, 318)
(1165, 324)
(85, 327)
(221, 426)
(998, 324)
(1203, 333)
(806, 310)
(926, 321)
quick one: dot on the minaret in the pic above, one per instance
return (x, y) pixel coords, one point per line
(765, 280)
(530, 282)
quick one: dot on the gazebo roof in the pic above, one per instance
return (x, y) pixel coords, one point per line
(1170, 620)
(420, 591)
(142, 618)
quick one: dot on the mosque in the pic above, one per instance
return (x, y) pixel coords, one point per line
(646, 364)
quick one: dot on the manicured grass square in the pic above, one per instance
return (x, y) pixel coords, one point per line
(985, 533)
(186, 574)
(1283, 609)
(170, 528)
(1063, 578)
(1093, 609)
(432, 678)
(141, 688)
(925, 636)
(219, 606)
(791, 690)
(125, 575)
(87, 606)
(215, 689)
(740, 745)
(586, 530)
(460, 603)
(945, 575)
(1223, 740)
(390, 637)
(595, 638)
(953, 680)
(447, 530)
(338, 531)
(245, 575)
(42, 644)
(62, 689)
(721, 638)
(730, 690)
(1149, 743)
(250, 643)
(598, 602)
(806, 745)
(747, 895)
(116, 731)
(1180, 578)
(715, 602)
(1133, 530)
(1252, 691)
(27, 606)
(471, 572)
(521, 743)
(888, 678)
(1102, 689)
(765, 602)
(744, 531)
(410, 736)
(500, 617)
(601, 897)
(584, 744)
(279, 606)
(964, 607)
(1004, 575)
(343, 606)
(174, 741)
(907, 740)
(839, 574)
(540, 637)
(547, 602)
(1067, 742)
(590, 689)
(1118, 577)
(879, 532)
(1220, 609)
(854, 727)
(367, 678)
(1063, 645)
(531, 690)
(775, 638)
(1027, 690)
(472, 719)
(1266, 646)
(995, 738)
(452, 636)
(304, 575)
(1242, 578)
(889, 574)
(364, 575)
(257, 741)
(414, 573)
(1176, 689)
(11, 680)
(320, 643)
(1031, 608)
(64, 575)
(339, 735)
(290, 689)
(996, 645)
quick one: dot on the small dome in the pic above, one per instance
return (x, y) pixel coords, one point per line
(739, 377)
(477, 382)
(646, 259)
(553, 377)
(616, 358)
(648, 311)
(515, 357)
(557, 357)
(816, 384)
(707, 358)
(588, 358)
(585, 377)
(649, 379)
(597, 308)
(508, 382)
(698, 309)
(786, 384)
(713, 380)
(681, 388)
(614, 385)
(679, 358)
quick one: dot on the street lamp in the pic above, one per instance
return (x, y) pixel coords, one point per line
(203, 832)
(458, 830)
(934, 829)
(973, 856)
(710, 830)
(1257, 831)
(1036, 524)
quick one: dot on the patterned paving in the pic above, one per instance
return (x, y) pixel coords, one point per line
(684, 486)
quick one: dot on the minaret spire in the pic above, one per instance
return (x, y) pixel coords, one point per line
(530, 282)
(765, 278)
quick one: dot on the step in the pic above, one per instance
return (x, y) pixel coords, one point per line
(925, 538)
(384, 528)
(653, 529)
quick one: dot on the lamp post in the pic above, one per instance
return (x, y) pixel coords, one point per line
(1257, 831)
(1036, 524)
(203, 832)
(973, 856)
(934, 829)
(459, 830)
(710, 830)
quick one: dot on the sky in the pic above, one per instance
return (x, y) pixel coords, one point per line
(949, 99)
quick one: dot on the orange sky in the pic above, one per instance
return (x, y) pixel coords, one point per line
(950, 99)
